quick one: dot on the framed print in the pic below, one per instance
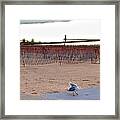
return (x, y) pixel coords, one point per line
(59, 59)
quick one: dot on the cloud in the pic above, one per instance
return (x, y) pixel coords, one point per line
(41, 21)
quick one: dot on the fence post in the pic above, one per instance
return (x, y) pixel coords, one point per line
(65, 40)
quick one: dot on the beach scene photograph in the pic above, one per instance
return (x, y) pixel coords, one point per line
(59, 59)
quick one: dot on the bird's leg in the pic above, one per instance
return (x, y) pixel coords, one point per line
(76, 93)
(73, 94)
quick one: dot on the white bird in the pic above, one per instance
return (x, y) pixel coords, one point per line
(73, 87)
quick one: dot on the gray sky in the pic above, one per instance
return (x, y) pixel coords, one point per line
(54, 29)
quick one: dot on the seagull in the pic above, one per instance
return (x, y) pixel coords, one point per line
(73, 87)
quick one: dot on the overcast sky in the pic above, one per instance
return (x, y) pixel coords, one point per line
(54, 30)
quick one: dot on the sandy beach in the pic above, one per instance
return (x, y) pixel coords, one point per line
(54, 78)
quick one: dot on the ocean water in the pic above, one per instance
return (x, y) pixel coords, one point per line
(92, 93)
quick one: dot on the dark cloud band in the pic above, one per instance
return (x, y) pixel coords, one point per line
(41, 21)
